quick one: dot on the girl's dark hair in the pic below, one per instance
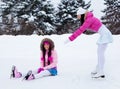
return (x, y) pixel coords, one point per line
(82, 18)
(50, 48)
(49, 54)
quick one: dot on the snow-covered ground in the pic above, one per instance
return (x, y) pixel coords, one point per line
(76, 60)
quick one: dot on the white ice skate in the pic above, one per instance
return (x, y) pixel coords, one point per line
(98, 75)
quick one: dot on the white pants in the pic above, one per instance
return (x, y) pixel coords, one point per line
(41, 74)
(101, 57)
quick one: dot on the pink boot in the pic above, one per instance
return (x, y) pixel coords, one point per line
(29, 76)
(15, 73)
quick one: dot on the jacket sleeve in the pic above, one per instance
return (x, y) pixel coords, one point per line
(80, 30)
(54, 62)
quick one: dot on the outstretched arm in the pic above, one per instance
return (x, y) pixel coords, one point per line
(80, 30)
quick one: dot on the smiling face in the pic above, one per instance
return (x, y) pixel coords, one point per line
(46, 46)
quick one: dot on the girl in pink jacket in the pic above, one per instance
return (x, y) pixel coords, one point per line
(90, 22)
(48, 60)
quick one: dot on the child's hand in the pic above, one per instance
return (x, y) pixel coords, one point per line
(40, 69)
(66, 41)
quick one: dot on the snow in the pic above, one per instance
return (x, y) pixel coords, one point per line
(25, 16)
(3, 5)
(42, 12)
(32, 18)
(96, 5)
(76, 60)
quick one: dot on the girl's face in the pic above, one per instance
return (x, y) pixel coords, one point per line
(46, 46)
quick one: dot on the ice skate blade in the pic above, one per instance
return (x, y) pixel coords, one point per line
(12, 72)
(102, 76)
(27, 75)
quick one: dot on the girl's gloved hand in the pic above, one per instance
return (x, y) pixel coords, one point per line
(66, 41)
(40, 69)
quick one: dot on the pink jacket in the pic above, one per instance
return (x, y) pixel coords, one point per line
(52, 59)
(91, 23)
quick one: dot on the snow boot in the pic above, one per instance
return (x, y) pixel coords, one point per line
(15, 73)
(29, 76)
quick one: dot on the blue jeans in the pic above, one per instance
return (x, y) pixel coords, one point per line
(53, 71)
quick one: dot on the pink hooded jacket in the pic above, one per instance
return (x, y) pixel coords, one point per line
(52, 59)
(91, 23)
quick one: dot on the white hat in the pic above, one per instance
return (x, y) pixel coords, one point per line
(81, 11)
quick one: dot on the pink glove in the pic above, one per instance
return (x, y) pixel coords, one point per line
(39, 70)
